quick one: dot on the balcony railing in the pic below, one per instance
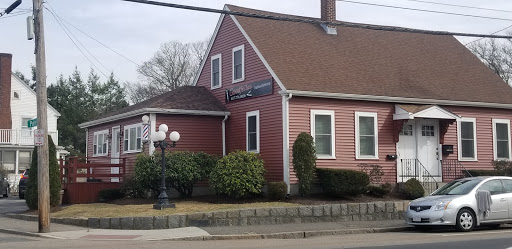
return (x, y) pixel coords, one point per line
(22, 137)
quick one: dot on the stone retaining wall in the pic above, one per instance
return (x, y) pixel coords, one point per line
(245, 217)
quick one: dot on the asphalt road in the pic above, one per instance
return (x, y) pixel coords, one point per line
(12, 204)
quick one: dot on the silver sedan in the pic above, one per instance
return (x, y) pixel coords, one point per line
(455, 204)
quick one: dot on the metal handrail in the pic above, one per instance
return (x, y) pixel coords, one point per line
(413, 168)
(453, 169)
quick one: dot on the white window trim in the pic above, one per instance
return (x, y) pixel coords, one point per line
(218, 56)
(333, 132)
(376, 132)
(500, 121)
(105, 139)
(459, 139)
(241, 47)
(250, 114)
(128, 127)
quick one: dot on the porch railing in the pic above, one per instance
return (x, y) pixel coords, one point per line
(22, 137)
(453, 169)
(413, 168)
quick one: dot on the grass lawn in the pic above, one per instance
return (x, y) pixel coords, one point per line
(182, 207)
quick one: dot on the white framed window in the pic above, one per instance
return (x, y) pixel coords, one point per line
(322, 131)
(25, 130)
(100, 145)
(238, 64)
(466, 134)
(367, 137)
(253, 131)
(132, 140)
(216, 63)
(16, 95)
(501, 138)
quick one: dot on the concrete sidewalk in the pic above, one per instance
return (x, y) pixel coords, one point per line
(283, 231)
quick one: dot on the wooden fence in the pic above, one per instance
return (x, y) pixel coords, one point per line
(83, 177)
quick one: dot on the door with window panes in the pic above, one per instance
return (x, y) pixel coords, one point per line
(499, 206)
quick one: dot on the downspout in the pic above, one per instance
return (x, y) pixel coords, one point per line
(224, 135)
(286, 140)
(86, 142)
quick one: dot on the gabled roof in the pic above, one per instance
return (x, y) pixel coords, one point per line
(422, 111)
(33, 92)
(193, 100)
(363, 63)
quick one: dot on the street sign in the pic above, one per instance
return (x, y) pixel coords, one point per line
(38, 137)
(32, 123)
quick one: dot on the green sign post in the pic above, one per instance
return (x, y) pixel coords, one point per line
(32, 123)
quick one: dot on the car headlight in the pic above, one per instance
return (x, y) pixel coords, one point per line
(442, 205)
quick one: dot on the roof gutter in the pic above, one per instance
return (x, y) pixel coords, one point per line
(348, 96)
(152, 110)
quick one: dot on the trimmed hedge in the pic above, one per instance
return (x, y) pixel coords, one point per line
(239, 174)
(277, 190)
(413, 189)
(380, 190)
(304, 162)
(481, 172)
(106, 195)
(343, 182)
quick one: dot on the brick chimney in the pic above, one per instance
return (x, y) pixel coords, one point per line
(329, 15)
(5, 91)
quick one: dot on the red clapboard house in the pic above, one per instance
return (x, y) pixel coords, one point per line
(418, 105)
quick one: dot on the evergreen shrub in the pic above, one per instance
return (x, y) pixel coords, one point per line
(277, 190)
(413, 189)
(239, 174)
(304, 162)
(106, 195)
(343, 182)
(380, 190)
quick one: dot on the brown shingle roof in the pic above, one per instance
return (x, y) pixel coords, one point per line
(372, 62)
(194, 98)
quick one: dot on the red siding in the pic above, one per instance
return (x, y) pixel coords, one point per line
(270, 107)
(484, 117)
(344, 112)
(197, 133)
(130, 157)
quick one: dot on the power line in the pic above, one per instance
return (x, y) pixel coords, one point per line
(16, 14)
(316, 21)
(461, 6)
(510, 26)
(66, 32)
(423, 10)
(100, 42)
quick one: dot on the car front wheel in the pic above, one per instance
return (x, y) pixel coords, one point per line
(465, 220)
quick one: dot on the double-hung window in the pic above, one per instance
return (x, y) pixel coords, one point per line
(100, 143)
(216, 71)
(238, 64)
(467, 139)
(253, 131)
(132, 138)
(501, 138)
(25, 130)
(322, 131)
(367, 139)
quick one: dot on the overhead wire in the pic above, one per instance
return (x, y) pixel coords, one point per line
(315, 21)
(510, 26)
(16, 14)
(424, 10)
(76, 45)
(460, 6)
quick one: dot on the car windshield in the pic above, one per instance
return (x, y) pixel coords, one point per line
(459, 187)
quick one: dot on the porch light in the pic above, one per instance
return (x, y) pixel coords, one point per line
(158, 139)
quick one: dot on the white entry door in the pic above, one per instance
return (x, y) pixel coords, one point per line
(406, 151)
(427, 133)
(115, 153)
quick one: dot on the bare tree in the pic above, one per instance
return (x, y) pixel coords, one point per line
(496, 54)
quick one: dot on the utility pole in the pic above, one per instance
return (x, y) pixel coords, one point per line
(43, 181)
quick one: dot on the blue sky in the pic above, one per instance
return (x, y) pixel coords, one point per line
(137, 30)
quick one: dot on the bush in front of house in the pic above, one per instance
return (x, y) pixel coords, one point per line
(277, 190)
(239, 174)
(130, 187)
(413, 189)
(503, 167)
(482, 172)
(106, 195)
(343, 182)
(380, 190)
(31, 193)
(146, 174)
(304, 162)
(374, 171)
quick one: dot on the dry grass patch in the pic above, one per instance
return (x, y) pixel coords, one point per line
(182, 207)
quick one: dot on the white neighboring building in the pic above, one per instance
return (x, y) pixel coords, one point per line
(17, 143)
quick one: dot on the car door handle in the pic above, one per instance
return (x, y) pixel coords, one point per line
(503, 199)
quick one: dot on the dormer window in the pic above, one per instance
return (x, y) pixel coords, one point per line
(238, 64)
(16, 95)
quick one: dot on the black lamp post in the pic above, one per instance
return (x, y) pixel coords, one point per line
(158, 139)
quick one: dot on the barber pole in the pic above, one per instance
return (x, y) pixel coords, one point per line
(145, 132)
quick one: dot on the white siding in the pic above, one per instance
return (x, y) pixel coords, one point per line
(26, 106)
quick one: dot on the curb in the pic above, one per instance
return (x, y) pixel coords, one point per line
(29, 234)
(293, 235)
